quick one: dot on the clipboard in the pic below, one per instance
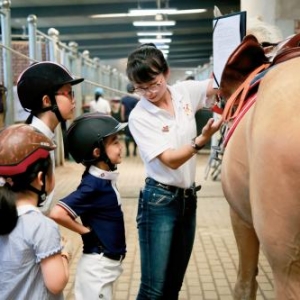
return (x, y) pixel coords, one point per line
(228, 32)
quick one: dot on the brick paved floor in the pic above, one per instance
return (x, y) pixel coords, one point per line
(212, 270)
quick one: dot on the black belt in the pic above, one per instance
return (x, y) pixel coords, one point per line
(118, 257)
(98, 250)
(173, 189)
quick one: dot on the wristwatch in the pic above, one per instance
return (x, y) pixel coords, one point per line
(195, 146)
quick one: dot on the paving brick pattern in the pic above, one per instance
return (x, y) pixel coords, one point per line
(212, 269)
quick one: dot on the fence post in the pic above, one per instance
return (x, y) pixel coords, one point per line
(53, 54)
(96, 61)
(75, 68)
(53, 33)
(7, 61)
(32, 19)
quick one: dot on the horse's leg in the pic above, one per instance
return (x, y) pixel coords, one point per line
(235, 183)
(275, 202)
(248, 249)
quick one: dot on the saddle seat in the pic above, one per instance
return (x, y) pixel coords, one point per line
(245, 67)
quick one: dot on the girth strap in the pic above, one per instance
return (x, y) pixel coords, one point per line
(239, 96)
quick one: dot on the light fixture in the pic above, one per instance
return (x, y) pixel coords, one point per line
(189, 72)
(151, 12)
(154, 23)
(154, 33)
(155, 41)
(162, 46)
(187, 11)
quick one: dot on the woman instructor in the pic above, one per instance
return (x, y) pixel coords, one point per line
(163, 125)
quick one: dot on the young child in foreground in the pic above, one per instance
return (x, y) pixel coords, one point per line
(93, 140)
(32, 264)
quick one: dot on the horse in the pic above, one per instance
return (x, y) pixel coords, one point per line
(260, 173)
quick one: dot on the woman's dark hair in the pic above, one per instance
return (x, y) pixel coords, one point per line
(145, 63)
(18, 183)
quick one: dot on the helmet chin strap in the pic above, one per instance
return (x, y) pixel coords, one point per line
(42, 194)
(105, 158)
(54, 108)
(111, 166)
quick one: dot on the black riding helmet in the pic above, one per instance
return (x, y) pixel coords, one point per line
(87, 132)
(39, 79)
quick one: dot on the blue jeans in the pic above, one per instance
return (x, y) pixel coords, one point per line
(166, 225)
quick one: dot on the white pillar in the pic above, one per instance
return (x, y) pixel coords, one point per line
(280, 13)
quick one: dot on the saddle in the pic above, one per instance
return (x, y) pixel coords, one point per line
(247, 65)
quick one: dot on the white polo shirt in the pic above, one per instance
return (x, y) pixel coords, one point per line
(102, 106)
(155, 131)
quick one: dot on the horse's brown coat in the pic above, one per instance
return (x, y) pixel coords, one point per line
(261, 182)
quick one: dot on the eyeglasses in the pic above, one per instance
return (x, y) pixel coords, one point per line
(69, 94)
(153, 88)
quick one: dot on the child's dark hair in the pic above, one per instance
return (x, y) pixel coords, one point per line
(18, 183)
(145, 63)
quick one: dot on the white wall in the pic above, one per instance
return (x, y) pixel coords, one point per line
(281, 13)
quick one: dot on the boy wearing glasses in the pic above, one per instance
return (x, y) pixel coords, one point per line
(45, 90)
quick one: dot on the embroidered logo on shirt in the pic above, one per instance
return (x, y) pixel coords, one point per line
(165, 128)
(187, 109)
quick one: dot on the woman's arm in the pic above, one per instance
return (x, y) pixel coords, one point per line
(174, 158)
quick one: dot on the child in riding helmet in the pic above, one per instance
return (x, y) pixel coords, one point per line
(30, 243)
(93, 140)
(45, 90)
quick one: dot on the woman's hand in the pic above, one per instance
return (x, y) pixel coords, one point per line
(211, 127)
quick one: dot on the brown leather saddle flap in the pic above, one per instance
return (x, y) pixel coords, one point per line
(245, 58)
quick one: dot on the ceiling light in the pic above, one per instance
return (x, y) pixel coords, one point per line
(154, 23)
(104, 16)
(189, 72)
(151, 12)
(155, 41)
(162, 47)
(154, 33)
(188, 11)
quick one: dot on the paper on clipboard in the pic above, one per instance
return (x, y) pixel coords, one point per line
(228, 32)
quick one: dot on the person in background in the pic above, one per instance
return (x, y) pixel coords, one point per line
(93, 141)
(164, 127)
(128, 102)
(45, 90)
(190, 77)
(33, 263)
(115, 104)
(99, 104)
